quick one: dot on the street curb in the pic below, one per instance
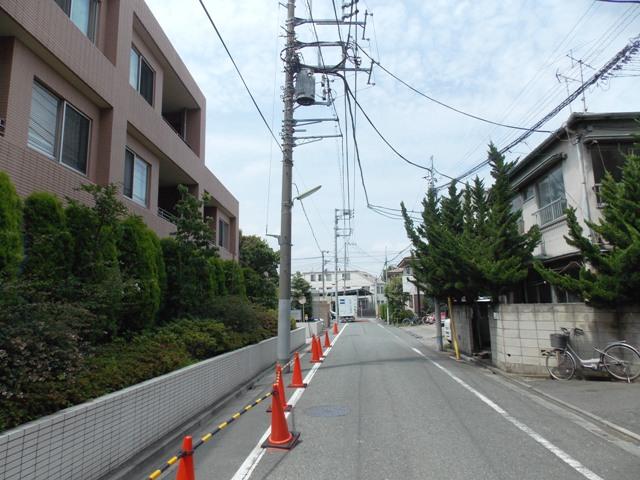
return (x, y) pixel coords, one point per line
(567, 405)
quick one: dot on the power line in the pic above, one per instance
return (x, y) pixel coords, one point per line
(442, 104)
(264, 120)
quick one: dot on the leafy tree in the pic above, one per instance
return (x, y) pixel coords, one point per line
(193, 232)
(396, 298)
(260, 267)
(47, 243)
(10, 229)
(509, 251)
(611, 272)
(301, 288)
(234, 279)
(140, 269)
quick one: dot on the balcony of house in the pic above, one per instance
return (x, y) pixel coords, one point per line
(169, 179)
(181, 112)
(551, 212)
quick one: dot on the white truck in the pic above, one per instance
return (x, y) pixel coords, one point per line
(347, 307)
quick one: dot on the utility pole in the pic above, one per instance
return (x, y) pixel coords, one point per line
(324, 294)
(284, 294)
(386, 282)
(436, 302)
(335, 243)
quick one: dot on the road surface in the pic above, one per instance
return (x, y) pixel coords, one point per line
(383, 406)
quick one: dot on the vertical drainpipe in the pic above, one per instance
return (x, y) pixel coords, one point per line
(585, 193)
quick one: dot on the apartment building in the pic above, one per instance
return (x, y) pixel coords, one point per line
(566, 170)
(92, 91)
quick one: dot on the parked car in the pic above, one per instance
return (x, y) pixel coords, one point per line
(446, 329)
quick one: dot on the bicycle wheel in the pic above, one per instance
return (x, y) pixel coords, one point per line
(406, 322)
(621, 361)
(561, 365)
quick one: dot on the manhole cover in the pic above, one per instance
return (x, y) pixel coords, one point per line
(326, 411)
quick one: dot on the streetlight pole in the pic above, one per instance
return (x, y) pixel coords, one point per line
(284, 293)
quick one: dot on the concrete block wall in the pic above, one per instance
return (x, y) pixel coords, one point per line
(94, 438)
(312, 328)
(462, 316)
(520, 331)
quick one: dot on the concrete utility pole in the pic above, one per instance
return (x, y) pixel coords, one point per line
(386, 282)
(324, 294)
(284, 294)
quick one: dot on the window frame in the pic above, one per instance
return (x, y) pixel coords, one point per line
(141, 59)
(61, 111)
(224, 234)
(545, 177)
(132, 197)
(94, 14)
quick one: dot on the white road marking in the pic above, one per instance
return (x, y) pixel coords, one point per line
(561, 454)
(253, 459)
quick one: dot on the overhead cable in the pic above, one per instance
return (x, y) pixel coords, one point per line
(255, 104)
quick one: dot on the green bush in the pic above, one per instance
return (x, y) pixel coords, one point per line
(234, 279)
(139, 265)
(42, 349)
(47, 242)
(10, 228)
(260, 290)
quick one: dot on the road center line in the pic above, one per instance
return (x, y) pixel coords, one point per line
(561, 454)
(253, 459)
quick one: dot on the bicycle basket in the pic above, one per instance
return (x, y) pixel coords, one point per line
(558, 340)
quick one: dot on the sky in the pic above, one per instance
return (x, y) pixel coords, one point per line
(499, 60)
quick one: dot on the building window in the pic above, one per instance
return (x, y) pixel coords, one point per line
(313, 277)
(551, 198)
(141, 75)
(528, 193)
(327, 277)
(223, 234)
(320, 277)
(58, 130)
(346, 276)
(136, 178)
(83, 13)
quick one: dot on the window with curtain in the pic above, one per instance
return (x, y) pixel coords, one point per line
(136, 178)
(141, 75)
(58, 130)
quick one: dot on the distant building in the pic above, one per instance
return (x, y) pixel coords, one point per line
(93, 92)
(566, 170)
(416, 302)
(366, 286)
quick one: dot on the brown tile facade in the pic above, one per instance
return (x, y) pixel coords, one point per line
(38, 42)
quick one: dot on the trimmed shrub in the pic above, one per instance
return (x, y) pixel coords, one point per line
(47, 242)
(139, 265)
(10, 228)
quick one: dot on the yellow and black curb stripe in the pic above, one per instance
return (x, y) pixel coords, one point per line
(205, 438)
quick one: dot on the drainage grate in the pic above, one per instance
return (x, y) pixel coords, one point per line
(326, 411)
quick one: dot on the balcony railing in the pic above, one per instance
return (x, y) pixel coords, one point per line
(166, 215)
(596, 188)
(521, 225)
(551, 212)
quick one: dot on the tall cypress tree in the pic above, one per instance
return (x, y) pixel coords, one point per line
(509, 252)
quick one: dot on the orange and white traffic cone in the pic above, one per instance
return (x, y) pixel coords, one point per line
(315, 355)
(319, 347)
(327, 342)
(185, 467)
(280, 384)
(280, 436)
(335, 328)
(296, 380)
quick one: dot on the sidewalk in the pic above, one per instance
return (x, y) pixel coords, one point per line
(608, 401)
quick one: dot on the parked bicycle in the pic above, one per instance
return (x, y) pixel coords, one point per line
(620, 359)
(411, 321)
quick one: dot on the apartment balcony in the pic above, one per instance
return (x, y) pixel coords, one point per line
(549, 213)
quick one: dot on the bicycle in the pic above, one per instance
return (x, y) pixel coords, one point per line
(412, 321)
(620, 359)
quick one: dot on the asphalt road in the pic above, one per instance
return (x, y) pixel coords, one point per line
(382, 406)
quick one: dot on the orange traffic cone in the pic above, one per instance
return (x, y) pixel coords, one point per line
(185, 467)
(315, 355)
(280, 436)
(319, 347)
(335, 328)
(280, 384)
(327, 343)
(296, 380)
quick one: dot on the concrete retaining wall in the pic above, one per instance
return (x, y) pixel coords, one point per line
(520, 331)
(94, 438)
(312, 328)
